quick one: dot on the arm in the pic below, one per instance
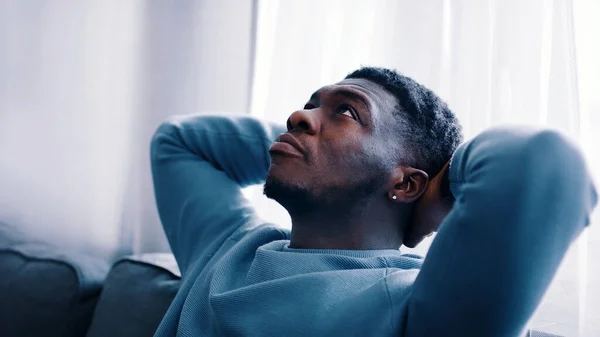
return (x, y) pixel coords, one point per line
(199, 165)
(522, 197)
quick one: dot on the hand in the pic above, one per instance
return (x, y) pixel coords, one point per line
(429, 210)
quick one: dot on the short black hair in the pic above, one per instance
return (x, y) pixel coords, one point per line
(435, 132)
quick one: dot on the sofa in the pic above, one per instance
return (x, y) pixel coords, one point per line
(51, 291)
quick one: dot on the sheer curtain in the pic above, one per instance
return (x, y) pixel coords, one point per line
(494, 61)
(83, 85)
(68, 77)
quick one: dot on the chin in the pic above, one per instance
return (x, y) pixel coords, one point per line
(276, 187)
(283, 176)
(290, 195)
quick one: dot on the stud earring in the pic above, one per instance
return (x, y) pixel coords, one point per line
(394, 197)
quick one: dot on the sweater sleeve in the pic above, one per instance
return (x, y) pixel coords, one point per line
(199, 163)
(522, 197)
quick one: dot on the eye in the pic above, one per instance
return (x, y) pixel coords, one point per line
(309, 106)
(346, 110)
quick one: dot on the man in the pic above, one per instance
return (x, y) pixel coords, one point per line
(362, 169)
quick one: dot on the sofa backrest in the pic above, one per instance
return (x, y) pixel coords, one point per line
(136, 296)
(46, 291)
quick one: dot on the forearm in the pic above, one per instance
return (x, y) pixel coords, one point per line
(235, 144)
(522, 197)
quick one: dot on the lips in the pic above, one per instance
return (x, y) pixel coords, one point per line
(287, 145)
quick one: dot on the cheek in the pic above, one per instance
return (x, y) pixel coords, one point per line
(350, 161)
(341, 152)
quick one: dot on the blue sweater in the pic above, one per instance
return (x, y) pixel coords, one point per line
(522, 196)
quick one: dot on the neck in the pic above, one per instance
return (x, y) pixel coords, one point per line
(372, 226)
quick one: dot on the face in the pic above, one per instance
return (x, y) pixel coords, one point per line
(339, 147)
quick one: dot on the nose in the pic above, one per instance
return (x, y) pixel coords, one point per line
(303, 121)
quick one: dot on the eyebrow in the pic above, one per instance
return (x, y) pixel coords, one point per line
(352, 94)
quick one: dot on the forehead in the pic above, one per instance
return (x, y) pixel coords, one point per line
(375, 92)
(378, 99)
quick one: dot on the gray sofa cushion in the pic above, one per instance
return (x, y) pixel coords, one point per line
(136, 296)
(46, 291)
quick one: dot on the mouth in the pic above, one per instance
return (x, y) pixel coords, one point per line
(287, 145)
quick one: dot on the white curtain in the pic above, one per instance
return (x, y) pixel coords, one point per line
(83, 85)
(494, 61)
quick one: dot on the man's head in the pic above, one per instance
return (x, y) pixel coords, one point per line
(374, 138)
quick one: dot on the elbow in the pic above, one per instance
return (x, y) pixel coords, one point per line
(541, 165)
(559, 161)
(554, 164)
(169, 127)
(165, 137)
(548, 154)
(528, 154)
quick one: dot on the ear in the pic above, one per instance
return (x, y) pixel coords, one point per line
(407, 184)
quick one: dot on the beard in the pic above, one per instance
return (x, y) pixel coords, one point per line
(340, 201)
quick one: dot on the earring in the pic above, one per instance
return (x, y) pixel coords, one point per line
(394, 197)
